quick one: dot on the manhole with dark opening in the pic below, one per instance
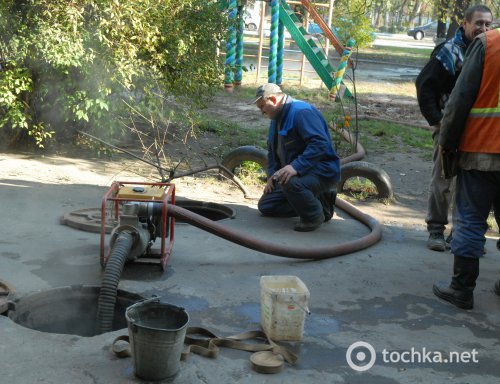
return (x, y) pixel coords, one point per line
(212, 211)
(90, 219)
(69, 310)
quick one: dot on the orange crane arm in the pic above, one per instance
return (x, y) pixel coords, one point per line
(326, 29)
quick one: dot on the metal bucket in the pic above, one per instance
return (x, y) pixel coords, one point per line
(157, 333)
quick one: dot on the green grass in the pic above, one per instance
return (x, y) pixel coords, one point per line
(251, 173)
(366, 89)
(233, 134)
(399, 55)
(360, 188)
(392, 137)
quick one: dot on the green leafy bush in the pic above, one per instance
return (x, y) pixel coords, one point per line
(72, 64)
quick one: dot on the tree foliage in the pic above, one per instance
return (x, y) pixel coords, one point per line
(71, 63)
(351, 18)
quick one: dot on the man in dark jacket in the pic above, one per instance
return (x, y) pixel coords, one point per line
(471, 130)
(302, 166)
(434, 84)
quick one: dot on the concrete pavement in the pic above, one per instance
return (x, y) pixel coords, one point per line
(381, 296)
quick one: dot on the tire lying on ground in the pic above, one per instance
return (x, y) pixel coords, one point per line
(245, 153)
(369, 171)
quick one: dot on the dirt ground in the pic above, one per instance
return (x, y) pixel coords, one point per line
(409, 173)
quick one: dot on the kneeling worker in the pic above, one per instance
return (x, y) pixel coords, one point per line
(302, 166)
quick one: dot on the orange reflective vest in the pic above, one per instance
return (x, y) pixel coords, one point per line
(482, 128)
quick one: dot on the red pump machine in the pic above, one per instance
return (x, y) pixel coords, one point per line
(149, 219)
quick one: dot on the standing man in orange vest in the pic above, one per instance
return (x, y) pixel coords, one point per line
(470, 133)
(434, 85)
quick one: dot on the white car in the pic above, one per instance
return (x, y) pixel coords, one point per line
(251, 21)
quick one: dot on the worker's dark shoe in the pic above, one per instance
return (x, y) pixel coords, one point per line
(436, 242)
(327, 200)
(448, 240)
(308, 226)
(497, 287)
(460, 291)
(460, 299)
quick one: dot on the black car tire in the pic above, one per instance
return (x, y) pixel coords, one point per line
(369, 171)
(419, 35)
(252, 27)
(245, 153)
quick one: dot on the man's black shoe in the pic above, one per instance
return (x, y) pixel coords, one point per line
(460, 299)
(497, 287)
(436, 242)
(308, 226)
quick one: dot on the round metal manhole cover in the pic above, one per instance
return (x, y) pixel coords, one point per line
(5, 291)
(90, 219)
(70, 310)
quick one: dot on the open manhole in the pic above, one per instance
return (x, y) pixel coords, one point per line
(5, 303)
(212, 211)
(90, 219)
(69, 310)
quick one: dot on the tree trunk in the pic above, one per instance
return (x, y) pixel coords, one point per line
(457, 11)
(442, 8)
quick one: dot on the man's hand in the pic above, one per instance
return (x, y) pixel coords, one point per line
(284, 175)
(449, 162)
(270, 185)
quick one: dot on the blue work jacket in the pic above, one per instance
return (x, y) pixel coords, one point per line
(306, 140)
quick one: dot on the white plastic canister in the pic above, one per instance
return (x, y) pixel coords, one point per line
(283, 306)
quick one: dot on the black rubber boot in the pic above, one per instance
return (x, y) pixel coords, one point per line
(460, 291)
(327, 200)
(497, 287)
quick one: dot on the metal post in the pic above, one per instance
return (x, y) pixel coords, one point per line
(230, 47)
(238, 76)
(339, 74)
(273, 45)
(261, 39)
(330, 16)
(281, 51)
(303, 60)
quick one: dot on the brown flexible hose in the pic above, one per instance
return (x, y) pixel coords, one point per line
(360, 151)
(316, 253)
(295, 252)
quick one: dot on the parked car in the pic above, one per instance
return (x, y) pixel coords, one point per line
(250, 21)
(429, 30)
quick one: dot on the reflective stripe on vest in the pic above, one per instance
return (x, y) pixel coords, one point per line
(482, 129)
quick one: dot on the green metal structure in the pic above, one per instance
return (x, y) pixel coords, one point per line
(308, 46)
(282, 16)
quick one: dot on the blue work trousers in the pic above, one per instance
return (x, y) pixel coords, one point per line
(296, 198)
(475, 193)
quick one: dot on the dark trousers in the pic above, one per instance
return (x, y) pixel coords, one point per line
(440, 192)
(475, 193)
(299, 197)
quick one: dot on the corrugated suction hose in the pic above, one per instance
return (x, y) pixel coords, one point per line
(114, 268)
